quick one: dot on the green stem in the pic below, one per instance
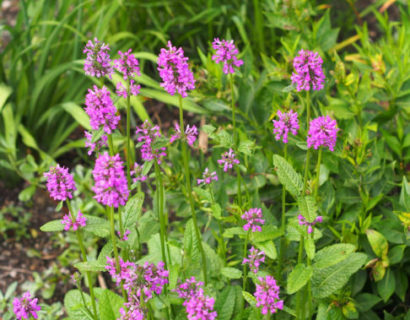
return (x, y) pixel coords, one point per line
(221, 229)
(128, 137)
(305, 179)
(307, 101)
(84, 255)
(185, 156)
(238, 182)
(245, 269)
(283, 221)
(233, 108)
(319, 160)
(299, 300)
(160, 208)
(110, 145)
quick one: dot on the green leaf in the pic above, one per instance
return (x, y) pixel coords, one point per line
(288, 176)
(52, 226)
(396, 254)
(405, 195)
(225, 303)
(77, 113)
(349, 311)
(97, 226)
(5, 92)
(249, 298)
(299, 276)
(94, 266)
(216, 211)
(269, 248)
(331, 255)
(378, 243)
(402, 284)
(191, 246)
(231, 273)
(231, 232)
(387, 285)
(247, 147)
(109, 305)
(310, 248)
(27, 193)
(269, 232)
(307, 207)
(132, 210)
(366, 301)
(74, 306)
(328, 280)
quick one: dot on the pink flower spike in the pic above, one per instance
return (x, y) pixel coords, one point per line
(228, 160)
(190, 134)
(80, 221)
(267, 295)
(137, 172)
(98, 62)
(91, 145)
(309, 73)
(254, 259)
(128, 65)
(322, 132)
(253, 218)
(174, 71)
(288, 122)
(60, 183)
(25, 307)
(226, 53)
(207, 177)
(125, 235)
(148, 134)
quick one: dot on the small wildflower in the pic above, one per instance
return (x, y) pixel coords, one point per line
(137, 173)
(322, 132)
(110, 186)
(98, 62)
(132, 311)
(122, 91)
(101, 109)
(60, 183)
(226, 52)
(267, 295)
(228, 160)
(309, 73)
(303, 222)
(25, 307)
(147, 134)
(125, 235)
(188, 288)
(94, 145)
(126, 268)
(190, 134)
(288, 122)
(253, 217)
(200, 307)
(254, 259)
(207, 177)
(80, 220)
(174, 71)
(128, 65)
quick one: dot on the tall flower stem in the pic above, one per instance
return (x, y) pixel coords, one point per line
(84, 255)
(110, 145)
(245, 269)
(308, 151)
(319, 160)
(283, 221)
(235, 139)
(221, 229)
(160, 208)
(299, 301)
(185, 156)
(128, 137)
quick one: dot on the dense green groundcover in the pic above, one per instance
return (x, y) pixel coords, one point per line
(355, 265)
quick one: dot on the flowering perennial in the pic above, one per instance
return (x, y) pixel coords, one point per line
(98, 62)
(267, 295)
(101, 109)
(322, 132)
(190, 134)
(309, 73)
(137, 173)
(288, 122)
(25, 307)
(207, 177)
(254, 219)
(125, 235)
(174, 71)
(128, 65)
(133, 311)
(94, 145)
(228, 160)
(110, 182)
(60, 183)
(67, 221)
(254, 259)
(303, 222)
(226, 52)
(148, 134)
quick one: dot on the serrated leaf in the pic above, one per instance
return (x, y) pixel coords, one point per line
(307, 207)
(109, 305)
(328, 280)
(288, 176)
(378, 242)
(132, 210)
(310, 247)
(269, 248)
(299, 276)
(247, 147)
(249, 298)
(73, 304)
(231, 273)
(191, 249)
(52, 226)
(268, 232)
(105, 252)
(94, 266)
(97, 226)
(225, 303)
(331, 255)
(231, 232)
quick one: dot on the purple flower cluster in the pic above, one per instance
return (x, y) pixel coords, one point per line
(125, 235)
(94, 145)
(101, 109)
(267, 295)
(190, 134)
(197, 305)
(137, 173)
(254, 219)
(303, 222)
(309, 73)
(207, 177)
(60, 183)
(125, 269)
(110, 182)
(228, 160)
(288, 122)
(174, 71)
(226, 52)
(128, 65)
(132, 311)
(322, 132)
(254, 259)
(68, 223)
(98, 62)
(25, 307)
(148, 134)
